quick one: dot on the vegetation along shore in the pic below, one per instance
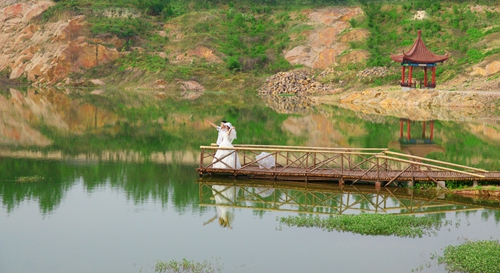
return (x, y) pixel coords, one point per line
(194, 46)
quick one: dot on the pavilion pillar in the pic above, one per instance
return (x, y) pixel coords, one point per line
(423, 129)
(410, 76)
(408, 134)
(403, 74)
(431, 125)
(425, 76)
(401, 125)
(434, 76)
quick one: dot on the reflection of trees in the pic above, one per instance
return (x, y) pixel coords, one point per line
(48, 192)
(140, 182)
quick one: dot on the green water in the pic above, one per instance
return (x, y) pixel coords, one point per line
(117, 188)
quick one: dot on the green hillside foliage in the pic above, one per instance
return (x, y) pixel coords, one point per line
(451, 27)
(250, 36)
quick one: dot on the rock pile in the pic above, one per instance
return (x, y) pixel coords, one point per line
(298, 82)
(288, 92)
(374, 72)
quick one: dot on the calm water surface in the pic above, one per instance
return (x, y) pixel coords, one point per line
(119, 190)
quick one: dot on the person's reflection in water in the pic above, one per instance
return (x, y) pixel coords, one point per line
(225, 199)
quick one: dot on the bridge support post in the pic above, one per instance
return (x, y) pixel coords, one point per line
(410, 184)
(378, 184)
(341, 181)
(475, 183)
(441, 184)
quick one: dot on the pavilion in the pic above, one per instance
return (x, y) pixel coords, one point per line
(418, 56)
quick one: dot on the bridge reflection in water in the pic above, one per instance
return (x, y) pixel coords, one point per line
(330, 199)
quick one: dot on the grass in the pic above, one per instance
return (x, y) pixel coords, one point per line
(29, 179)
(371, 224)
(472, 256)
(186, 266)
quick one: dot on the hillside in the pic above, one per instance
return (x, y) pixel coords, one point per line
(221, 45)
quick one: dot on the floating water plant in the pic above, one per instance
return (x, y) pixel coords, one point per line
(371, 224)
(30, 179)
(473, 257)
(186, 266)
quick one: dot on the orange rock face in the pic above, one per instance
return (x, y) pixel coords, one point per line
(48, 53)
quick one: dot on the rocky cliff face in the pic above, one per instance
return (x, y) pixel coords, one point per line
(47, 53)
(324, 43)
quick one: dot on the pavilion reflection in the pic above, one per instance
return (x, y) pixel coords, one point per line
(331, 199)
(418, 145)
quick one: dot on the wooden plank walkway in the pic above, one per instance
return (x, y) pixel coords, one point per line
(337, 164)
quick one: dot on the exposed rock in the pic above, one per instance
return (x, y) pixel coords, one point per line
(298, 82)
(420, 15)
(374, 72)
(191, 86)
(48, 53)
(192, 89)
(486, 68)
(97, 82)
(322, 45)
(355, 56)
(200, 52)
(355, 35)
(97, 92)
(160, 95)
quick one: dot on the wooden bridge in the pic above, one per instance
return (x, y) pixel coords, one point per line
(379, 166)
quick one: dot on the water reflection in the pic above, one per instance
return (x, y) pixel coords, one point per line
(139, 181)
(225, 200)
(419, 144)
(332, 199)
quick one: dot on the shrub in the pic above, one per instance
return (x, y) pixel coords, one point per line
(474, 257)
(370, 224)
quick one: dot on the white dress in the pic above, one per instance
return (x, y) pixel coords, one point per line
(232, 159)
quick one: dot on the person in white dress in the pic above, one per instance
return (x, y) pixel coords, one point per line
(227, 159)
(220, 129)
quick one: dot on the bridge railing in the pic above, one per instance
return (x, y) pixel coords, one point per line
(366, 164)
(308, 159)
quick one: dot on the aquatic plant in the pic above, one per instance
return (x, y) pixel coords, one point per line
(371, 224)
(186, 266)
(29, 179)
(472, 256)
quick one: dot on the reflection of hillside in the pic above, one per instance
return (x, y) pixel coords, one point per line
(420, 113)
(183, 157)
(480, 120)
(322, 131)
(421, 150)
(23, 112)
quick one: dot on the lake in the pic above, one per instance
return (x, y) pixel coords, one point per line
(107, 182)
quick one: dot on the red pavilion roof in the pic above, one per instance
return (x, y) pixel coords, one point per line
(419, 53)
